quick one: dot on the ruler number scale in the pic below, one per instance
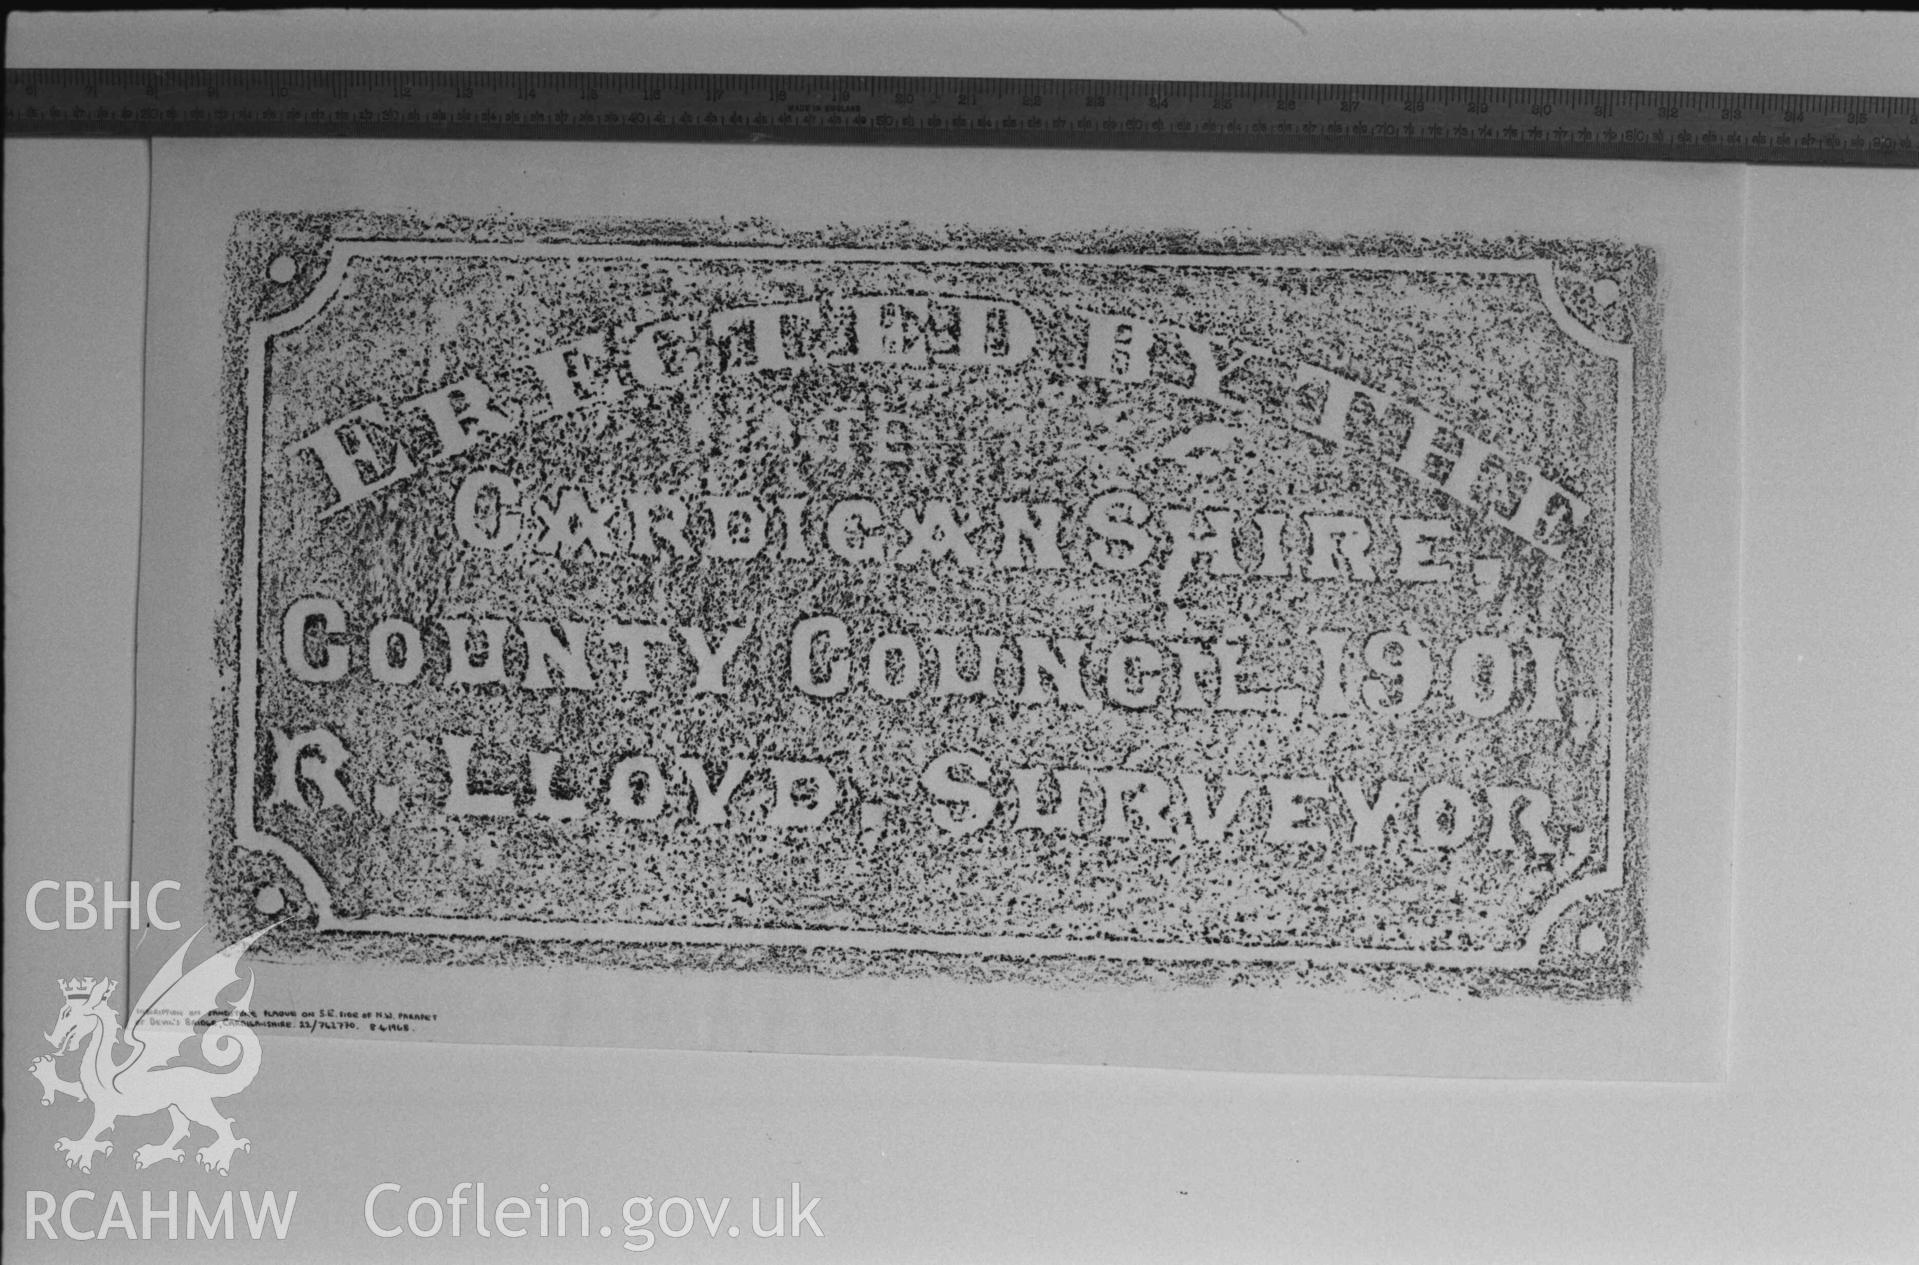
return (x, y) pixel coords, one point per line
(922, 110)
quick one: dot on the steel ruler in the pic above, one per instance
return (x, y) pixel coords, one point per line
(1063, 113)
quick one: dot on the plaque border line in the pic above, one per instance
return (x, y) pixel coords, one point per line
(344, 251)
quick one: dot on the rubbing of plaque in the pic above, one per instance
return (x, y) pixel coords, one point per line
(904, 601)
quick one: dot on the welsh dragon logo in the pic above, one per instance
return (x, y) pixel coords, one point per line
(145, 1080)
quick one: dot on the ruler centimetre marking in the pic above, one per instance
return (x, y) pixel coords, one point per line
(919, 110)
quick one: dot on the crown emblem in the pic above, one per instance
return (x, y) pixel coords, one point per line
(75, 989)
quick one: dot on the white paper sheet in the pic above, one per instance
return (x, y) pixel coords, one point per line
(1099, 407)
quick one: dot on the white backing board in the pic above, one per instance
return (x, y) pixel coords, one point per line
(1435, 289)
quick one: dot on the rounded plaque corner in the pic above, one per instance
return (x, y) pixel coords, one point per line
(292, 275)
(269, 884)
(1592, 935)
(1598, 295)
